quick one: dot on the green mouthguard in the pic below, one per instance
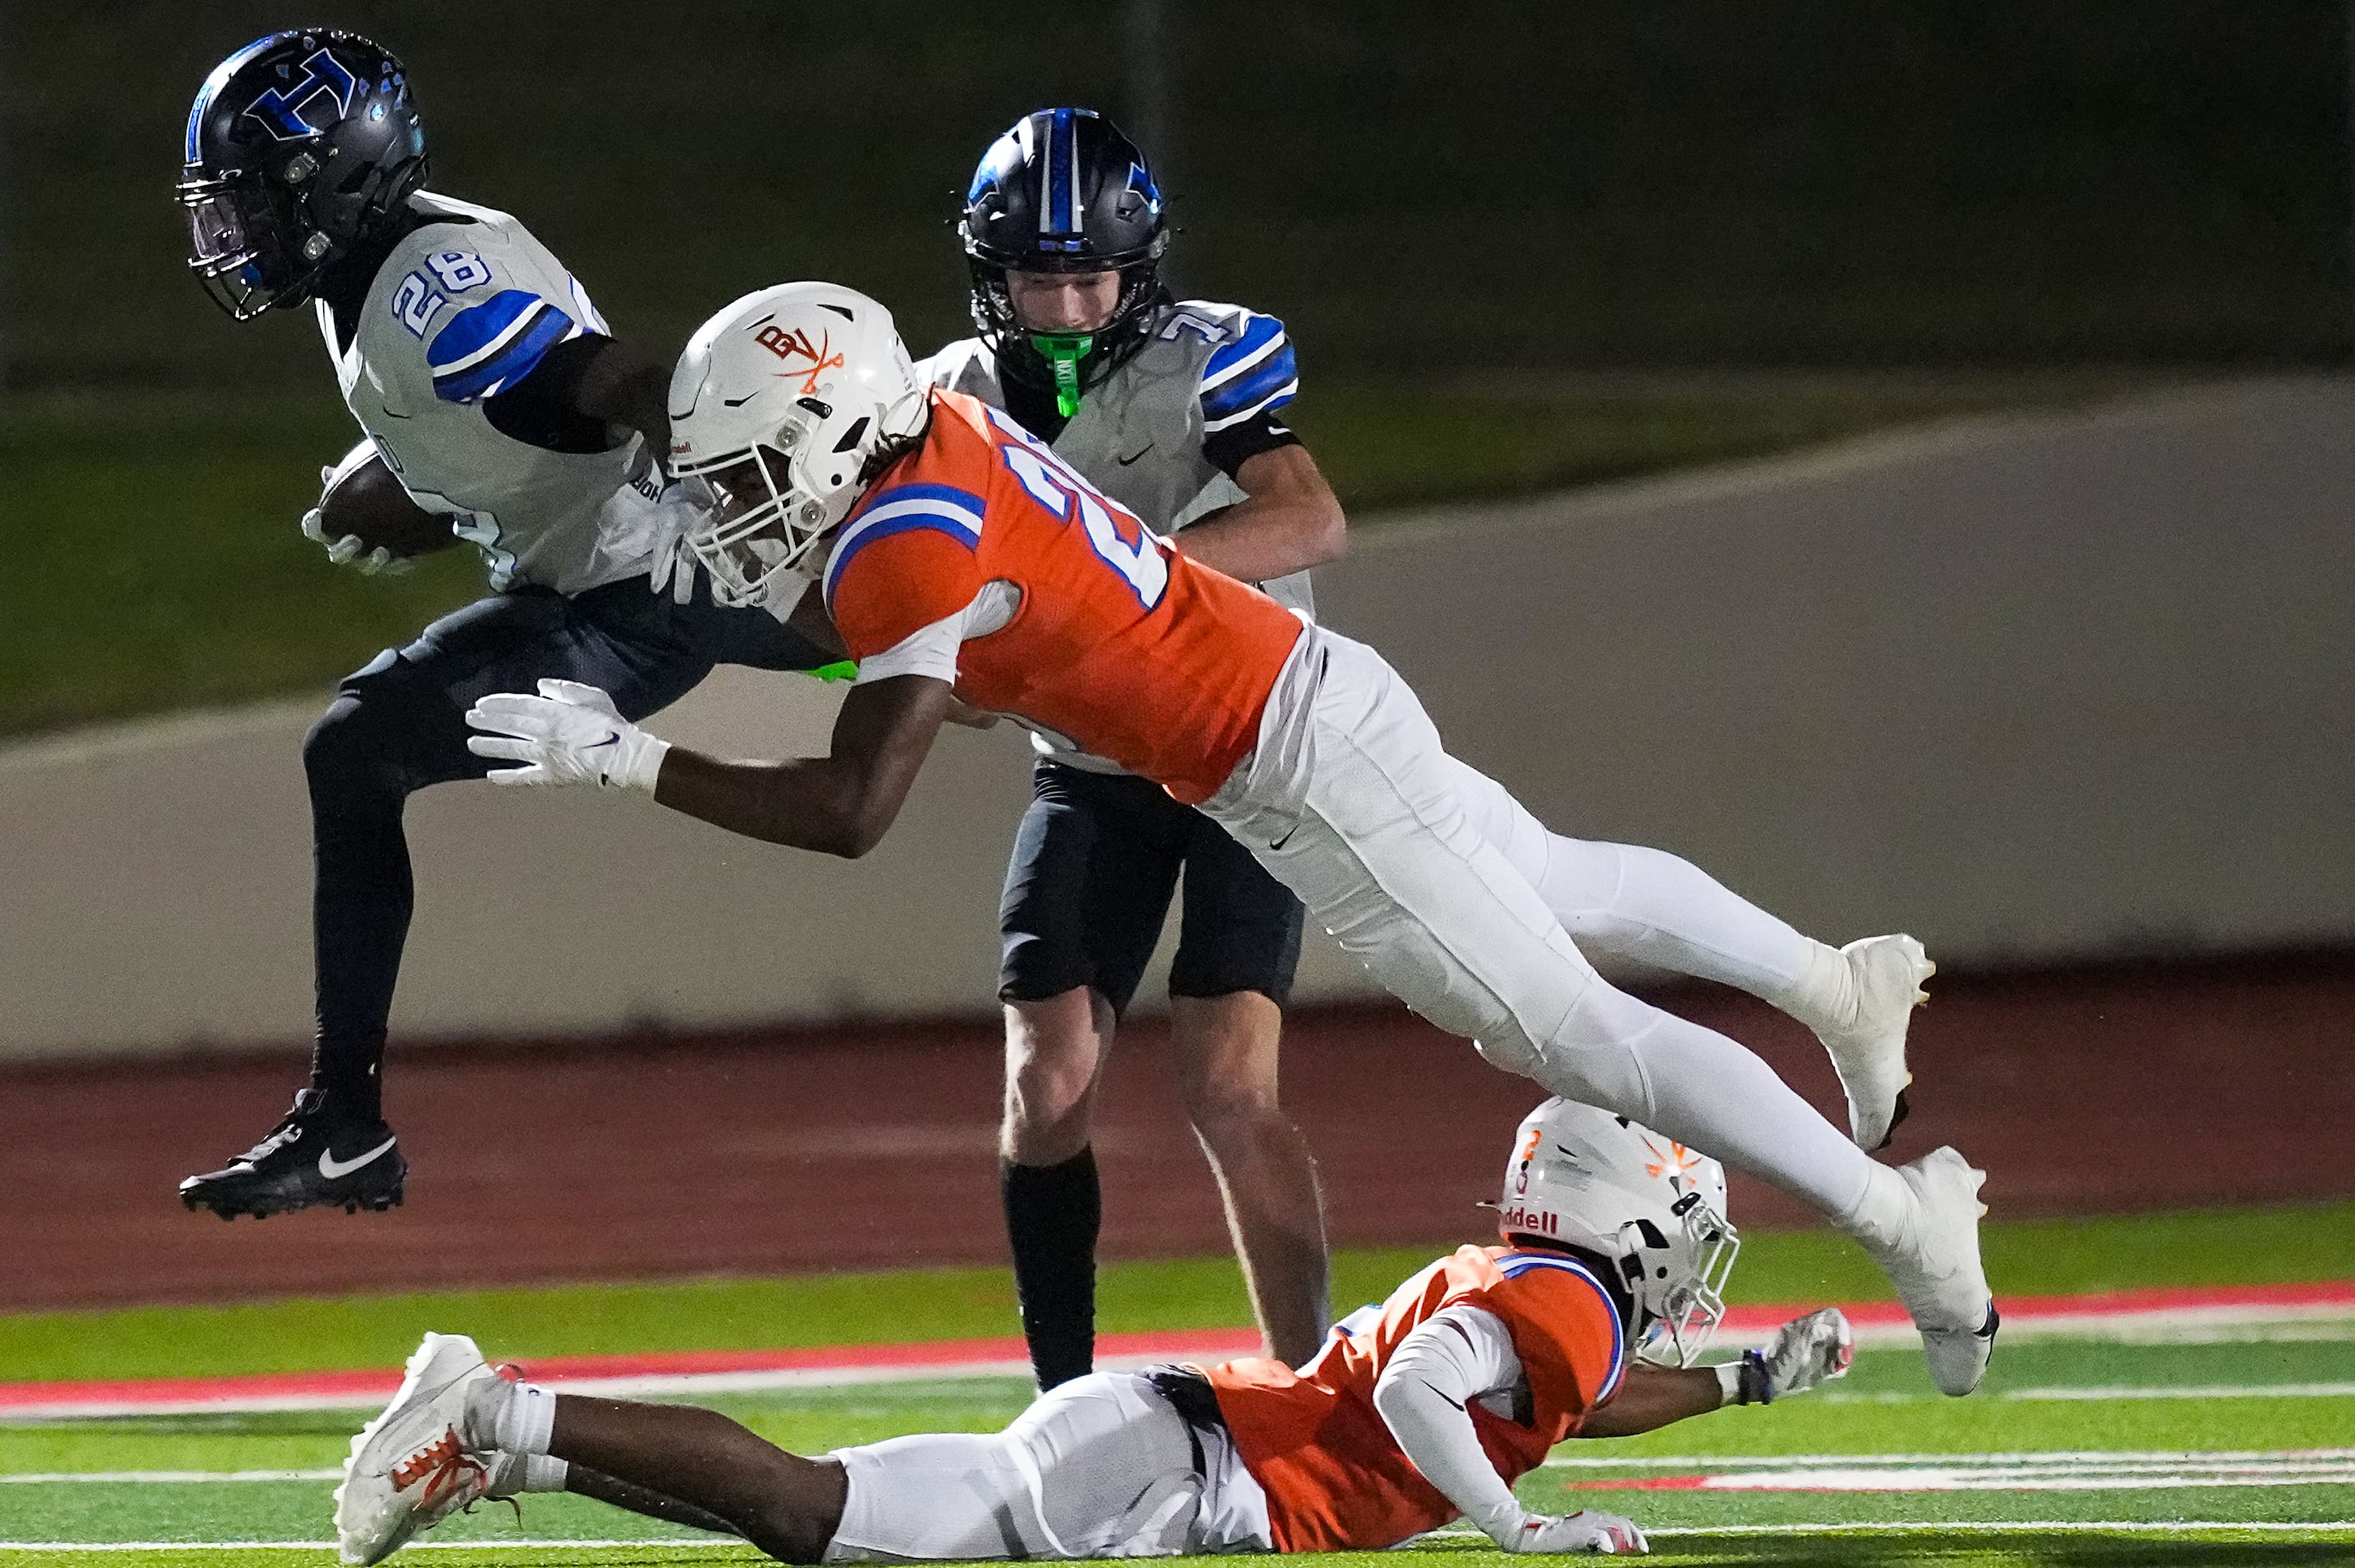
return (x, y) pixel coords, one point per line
(1063, 352)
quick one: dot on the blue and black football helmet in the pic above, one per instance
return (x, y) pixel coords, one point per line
(299, 146)
(1064, 191)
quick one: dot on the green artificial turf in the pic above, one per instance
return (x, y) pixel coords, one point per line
(2210, 1247)
(1884, 1408)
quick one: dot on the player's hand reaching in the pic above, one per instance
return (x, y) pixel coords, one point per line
(1804, 1353)
(569, 733)
(1601, 1534)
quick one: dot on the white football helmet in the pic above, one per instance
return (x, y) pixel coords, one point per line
(1652, 1207)
(778, 405)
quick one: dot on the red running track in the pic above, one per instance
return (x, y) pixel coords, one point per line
(874, 1147)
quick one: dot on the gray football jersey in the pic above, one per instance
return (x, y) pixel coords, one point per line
(1138, 435)
(460, 310)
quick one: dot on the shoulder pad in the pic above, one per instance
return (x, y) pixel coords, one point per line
(1250, 370)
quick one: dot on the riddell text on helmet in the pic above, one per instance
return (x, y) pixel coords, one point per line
(1536, 1221)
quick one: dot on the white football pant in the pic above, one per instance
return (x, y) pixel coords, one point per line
(1098, 1466)
(1352, 802)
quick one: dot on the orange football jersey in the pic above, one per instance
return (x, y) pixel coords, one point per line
(1336, 1479)
(1119, 642)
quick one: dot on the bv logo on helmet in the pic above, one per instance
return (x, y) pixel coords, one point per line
(281, 109)
(792, 345)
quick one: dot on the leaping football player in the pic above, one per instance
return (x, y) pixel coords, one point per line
(967, 562)
(1588, 1321)
(1172, 408)
(491, 389)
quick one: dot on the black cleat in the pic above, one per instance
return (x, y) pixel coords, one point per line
(314, 1158)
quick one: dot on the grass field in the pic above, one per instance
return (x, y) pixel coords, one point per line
(2226, 1445)
(154, 564)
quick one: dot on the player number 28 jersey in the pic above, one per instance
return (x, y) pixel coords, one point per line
(463, 308)
(1103, 633)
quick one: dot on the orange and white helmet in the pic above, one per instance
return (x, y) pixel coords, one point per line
(779, 403)
(1654, 1209)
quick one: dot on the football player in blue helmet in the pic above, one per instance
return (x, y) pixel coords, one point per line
(1064, 199)
(301, 149)
(1173, 407)
(492, 395)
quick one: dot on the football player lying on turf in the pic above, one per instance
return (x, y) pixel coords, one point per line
(964, 559)
(1585, 1323)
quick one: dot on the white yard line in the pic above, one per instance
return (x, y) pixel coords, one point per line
(2125, 1391)
(161, 1478)
(2019, 1456)
(1907, 1527)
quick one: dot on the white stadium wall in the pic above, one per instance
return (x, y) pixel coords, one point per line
(2038, 689)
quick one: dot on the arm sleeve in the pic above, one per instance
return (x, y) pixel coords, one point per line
(540, 407)
(1449, 1359)
(1236, 445)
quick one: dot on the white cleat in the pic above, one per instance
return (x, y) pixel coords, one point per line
(1934, 1264)
(1869, 1048)
(408, 1468)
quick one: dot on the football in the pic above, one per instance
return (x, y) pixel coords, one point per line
(369, 503)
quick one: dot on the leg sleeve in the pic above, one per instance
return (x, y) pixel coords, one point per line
(1378, 842)
(1637, 903)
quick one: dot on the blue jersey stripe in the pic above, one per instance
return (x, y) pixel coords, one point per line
(477, 327)
(1246, 390)
(948, 493)
(1258, 333)
(515, 359)
(857, 539)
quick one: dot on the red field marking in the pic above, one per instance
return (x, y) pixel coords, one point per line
(720, 1371)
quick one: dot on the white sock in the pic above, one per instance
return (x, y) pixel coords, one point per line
(545, 1473)
(514, 1417)
(1824, 996)
(1883, 1214)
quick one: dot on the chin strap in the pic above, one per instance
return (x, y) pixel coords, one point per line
(1063, 352)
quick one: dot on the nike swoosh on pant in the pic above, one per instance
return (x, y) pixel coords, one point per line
(334, 1169)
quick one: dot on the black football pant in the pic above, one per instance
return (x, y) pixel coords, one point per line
(399, 724)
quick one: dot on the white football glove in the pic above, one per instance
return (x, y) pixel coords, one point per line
(1601, 1534)
(569, 733)
(350, 551)
(1805, 1351)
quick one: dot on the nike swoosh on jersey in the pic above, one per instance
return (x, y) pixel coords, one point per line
(334, 1169)
(1132, 457)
